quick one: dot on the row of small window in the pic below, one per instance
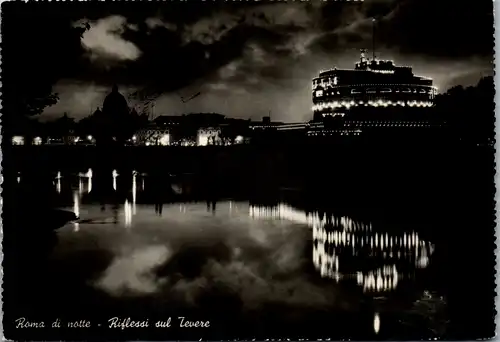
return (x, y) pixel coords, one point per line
(333, 132)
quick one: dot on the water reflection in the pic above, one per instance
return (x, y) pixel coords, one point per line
(128, 214)
(286, 212)
(376, 323)
(376, 260)
(58, 183)
(80, 186)
(159, 208)
(89, 175)
(134, 191)
(115, 174)
(84, 187)
(76, 204)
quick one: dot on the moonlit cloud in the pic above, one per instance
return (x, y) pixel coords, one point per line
(133, 273)
(153, 23)
(104, 40)
(211, 29)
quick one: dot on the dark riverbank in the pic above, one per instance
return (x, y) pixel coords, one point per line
(423, 171)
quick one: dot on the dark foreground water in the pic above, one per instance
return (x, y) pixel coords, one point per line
(288, 263)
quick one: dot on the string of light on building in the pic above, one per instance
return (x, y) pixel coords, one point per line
(370, 84)
(378, 103)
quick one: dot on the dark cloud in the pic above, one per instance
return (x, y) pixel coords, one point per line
(258, 52)
(441, 28)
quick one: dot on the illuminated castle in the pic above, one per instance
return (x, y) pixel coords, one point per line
(371, 84)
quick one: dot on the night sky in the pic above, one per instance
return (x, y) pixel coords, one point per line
(246, 58)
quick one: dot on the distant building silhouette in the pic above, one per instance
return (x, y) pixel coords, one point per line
(117, 121)
(115, 105)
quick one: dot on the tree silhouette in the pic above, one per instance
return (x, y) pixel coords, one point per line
(39, 50)
(470, 112)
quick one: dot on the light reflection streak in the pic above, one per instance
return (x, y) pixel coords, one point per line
(89, 175)
(82, 175)
(58, 183)
(115, 174)
(76, 204)
(128, 214)
(134, 191)
(335, 236)
(376, 323)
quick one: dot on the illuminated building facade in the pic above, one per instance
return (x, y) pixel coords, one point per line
(18, 140)
(202, 129)
(208, 136)
(375, 90)
(152, 136)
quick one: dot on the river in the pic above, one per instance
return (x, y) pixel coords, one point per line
(288, 262)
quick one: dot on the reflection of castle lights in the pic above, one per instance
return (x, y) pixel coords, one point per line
(285, 212)
(376, 323)
(128, 214)
(76, 204)
(390, 252)
(335, 237)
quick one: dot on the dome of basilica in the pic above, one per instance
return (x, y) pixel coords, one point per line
(115, 103)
